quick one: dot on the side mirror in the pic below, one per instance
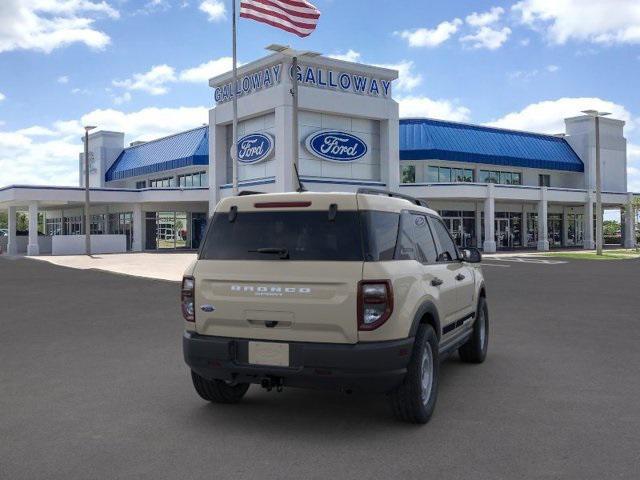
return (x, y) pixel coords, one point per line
(471, 255)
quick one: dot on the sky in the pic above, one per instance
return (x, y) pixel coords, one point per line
(141, 66)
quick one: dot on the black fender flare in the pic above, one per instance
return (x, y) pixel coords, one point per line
(426, 308)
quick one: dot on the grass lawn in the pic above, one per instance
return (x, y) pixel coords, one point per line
(618, 254)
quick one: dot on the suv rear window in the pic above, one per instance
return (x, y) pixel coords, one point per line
(303, 235)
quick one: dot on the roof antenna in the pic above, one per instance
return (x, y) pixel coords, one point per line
(300, 188)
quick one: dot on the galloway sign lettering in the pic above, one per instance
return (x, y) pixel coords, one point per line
(321, 77)
(255, 148)
(336, 146)
(248, 84)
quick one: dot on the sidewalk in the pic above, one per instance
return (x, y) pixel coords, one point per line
(163, 266)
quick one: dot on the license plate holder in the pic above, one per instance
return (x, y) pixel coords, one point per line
(273, 354)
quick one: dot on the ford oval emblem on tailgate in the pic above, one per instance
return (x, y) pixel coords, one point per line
(207, 308)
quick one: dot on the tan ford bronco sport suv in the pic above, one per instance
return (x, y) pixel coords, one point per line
(352, 291)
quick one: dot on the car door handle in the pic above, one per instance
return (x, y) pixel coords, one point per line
(436, 282)
(460, 277)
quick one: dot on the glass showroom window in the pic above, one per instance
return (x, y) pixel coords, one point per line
(447, 174)
(544, 180)
(53, 226)
(199, 179)
(504, 178)
(408, 174)
(162, 182)
(142, 184)
(98, 223)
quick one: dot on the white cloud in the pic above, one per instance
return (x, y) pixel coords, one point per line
(214, 9)
(349, 56)
(420, 106)
(424, 37)
(525, 42)
(595, 21)
(2, 96)
(120, 99)
(154, 81)
(45, 25)
(548, 116)
(526, 75)
(407, 78)
(487, 37)
(486, 18)
(203, 72)
(49, 155)
(63, 79)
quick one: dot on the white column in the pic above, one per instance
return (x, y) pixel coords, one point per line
(543, 240)
(478, 225)
(136, 244)
(283, 154)
(629, 224)
(218, 160)
(12, 245)
(32, 247)
(390, 152)
(589, 242)
(489, 245)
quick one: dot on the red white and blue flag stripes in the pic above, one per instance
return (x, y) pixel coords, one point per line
(295, 16)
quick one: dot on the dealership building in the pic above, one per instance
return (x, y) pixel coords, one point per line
(496, 189)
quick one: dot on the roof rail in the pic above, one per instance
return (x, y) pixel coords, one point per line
(386, 193)
(249, 192)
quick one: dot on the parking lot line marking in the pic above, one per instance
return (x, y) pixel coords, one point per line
(494, 265)
(530, 260)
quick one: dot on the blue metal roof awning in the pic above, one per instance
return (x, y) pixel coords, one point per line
(176, 151)
(427, 139)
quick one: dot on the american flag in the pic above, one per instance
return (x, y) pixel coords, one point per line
(294, 16)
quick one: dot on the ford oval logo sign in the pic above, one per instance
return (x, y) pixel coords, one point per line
(255, 148)
(336, 146)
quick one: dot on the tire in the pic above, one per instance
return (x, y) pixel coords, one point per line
(475, 350)
(414, 400)
(218, 391)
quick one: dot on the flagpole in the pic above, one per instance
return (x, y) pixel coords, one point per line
(234, 146)
(294, 121)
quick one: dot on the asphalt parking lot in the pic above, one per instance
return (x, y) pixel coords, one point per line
(92, 385)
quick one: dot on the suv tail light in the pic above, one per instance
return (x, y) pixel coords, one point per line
(187, 299)
(375, 303)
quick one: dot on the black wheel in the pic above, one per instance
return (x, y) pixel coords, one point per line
(415, 399)
(218, 391)
(475, 350)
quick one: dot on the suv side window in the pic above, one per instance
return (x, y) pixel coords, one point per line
(424, 241)
(447, 251)
(406, 248)
(414, 240)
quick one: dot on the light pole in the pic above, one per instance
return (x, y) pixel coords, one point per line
(87, 217)
(596, 114)
(294, 54)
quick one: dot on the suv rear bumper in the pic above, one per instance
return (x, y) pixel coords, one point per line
(364, 367)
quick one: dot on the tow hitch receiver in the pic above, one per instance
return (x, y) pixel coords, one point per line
(269, 383)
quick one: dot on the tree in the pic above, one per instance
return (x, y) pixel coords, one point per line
(3, 220)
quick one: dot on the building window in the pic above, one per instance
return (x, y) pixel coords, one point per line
(544, 180)
(53, 226)
(446, 174)
(503, 178)
(191, 180)
(408, 174)
(142, 184)
(162, 182)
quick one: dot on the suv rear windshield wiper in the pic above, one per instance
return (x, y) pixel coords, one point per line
(283, 253)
